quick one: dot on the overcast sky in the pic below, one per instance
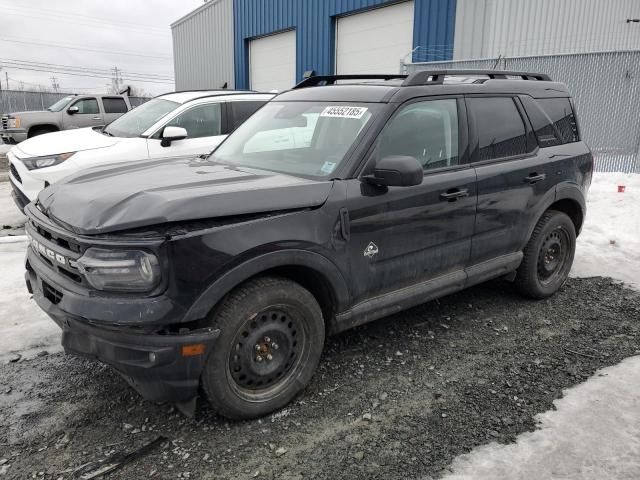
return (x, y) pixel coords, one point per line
(132, 35)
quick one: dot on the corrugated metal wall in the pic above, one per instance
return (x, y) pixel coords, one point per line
(488, 28)
(314, 22)
(203, 47)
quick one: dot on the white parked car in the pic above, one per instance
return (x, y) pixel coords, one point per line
(171, 125)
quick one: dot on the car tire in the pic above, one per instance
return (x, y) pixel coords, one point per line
(548, 256)
(272, 336)
(40, 131)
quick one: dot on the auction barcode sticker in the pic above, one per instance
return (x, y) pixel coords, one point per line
(344, 111)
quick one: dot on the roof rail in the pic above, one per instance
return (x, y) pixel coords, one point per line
(317, 80)
(436, 77)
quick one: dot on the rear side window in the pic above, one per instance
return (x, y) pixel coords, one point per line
(243, 110)
(560, 112)
(114, 105)
(501, 130)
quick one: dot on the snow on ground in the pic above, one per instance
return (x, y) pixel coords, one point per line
(594, 434)
(10, 216)
(24, 327)
(609, 244)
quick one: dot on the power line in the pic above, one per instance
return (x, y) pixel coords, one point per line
(97, 50)
(88, 75)
(96, 70)
(57, 13)
(92, 24)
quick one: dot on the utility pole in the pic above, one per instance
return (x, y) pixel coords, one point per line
(6, 75)
(0, 80)
(54, 83)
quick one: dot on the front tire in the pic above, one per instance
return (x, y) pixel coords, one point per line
(548, 256)
(272, 336)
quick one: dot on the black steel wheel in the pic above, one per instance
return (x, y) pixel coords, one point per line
(548, 256)
(272, 335)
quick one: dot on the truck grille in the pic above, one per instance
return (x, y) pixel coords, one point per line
(4, 122)
(14, 172)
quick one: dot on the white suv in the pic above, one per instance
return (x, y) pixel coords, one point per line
(171, 125)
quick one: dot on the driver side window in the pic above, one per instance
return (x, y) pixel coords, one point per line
(87, 106)
(200, 121)
(427, 131)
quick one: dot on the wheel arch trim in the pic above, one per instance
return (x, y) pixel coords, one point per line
(215, 292)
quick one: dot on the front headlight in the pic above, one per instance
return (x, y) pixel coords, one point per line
(120, 270)
(34, 163)
(13, 122)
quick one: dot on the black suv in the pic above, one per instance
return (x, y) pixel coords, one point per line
(341, 201)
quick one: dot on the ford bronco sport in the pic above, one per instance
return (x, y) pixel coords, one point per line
(341, 201)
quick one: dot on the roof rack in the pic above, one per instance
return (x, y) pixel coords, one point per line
(436, 77)
(317, 80)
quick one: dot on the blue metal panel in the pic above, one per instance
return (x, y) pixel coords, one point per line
(314, 22)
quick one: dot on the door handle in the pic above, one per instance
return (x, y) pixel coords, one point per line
(96, 118)
(453, 194)
(534, 178)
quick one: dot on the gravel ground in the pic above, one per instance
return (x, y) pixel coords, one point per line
(396, 399)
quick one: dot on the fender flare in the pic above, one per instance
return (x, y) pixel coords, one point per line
(563, 191)
(54, 127)
(282, 258)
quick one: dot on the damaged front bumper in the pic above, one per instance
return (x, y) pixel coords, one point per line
(162, 367)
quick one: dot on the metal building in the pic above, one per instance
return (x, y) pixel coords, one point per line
(203, 47)
(276, 41)
(510, 28)
(269, 44)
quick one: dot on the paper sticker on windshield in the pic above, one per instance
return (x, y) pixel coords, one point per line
(328, 167)
(344, 111)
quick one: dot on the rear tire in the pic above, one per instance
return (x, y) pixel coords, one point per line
(548, 256)
(272, 336)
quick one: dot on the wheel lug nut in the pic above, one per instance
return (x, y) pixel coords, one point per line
(269, 357)
(275, 346)
(257, 347)
(258, 358)
(267, 340)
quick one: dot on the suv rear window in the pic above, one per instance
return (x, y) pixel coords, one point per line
(501, 130)
(560, 112)
(114, 105)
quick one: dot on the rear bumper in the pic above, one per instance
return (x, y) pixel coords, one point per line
(152, 363)
(13, 135)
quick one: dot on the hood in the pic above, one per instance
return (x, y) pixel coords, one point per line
(66, 141)
(31, 113)
(125, 196)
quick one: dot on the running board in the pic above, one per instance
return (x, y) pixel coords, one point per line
(407, 297)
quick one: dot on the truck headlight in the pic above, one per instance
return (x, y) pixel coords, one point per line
(120, 270)
(34, 163)
(13, 122)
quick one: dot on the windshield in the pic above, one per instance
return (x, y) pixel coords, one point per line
(60, 104)
(140, 119)
(297, 138)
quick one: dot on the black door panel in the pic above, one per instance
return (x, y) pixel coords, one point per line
(414, 233)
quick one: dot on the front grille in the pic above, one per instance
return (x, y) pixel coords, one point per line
(14, 172)
(51, 294)
(5, 122)
(61, 242)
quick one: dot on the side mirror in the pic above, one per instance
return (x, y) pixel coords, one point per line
(396, 171)
(73, 110)
(171, 134)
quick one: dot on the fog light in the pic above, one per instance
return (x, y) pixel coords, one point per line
(152, 357)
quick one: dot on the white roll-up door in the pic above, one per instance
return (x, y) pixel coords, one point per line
(272, 62)
(374, 41)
